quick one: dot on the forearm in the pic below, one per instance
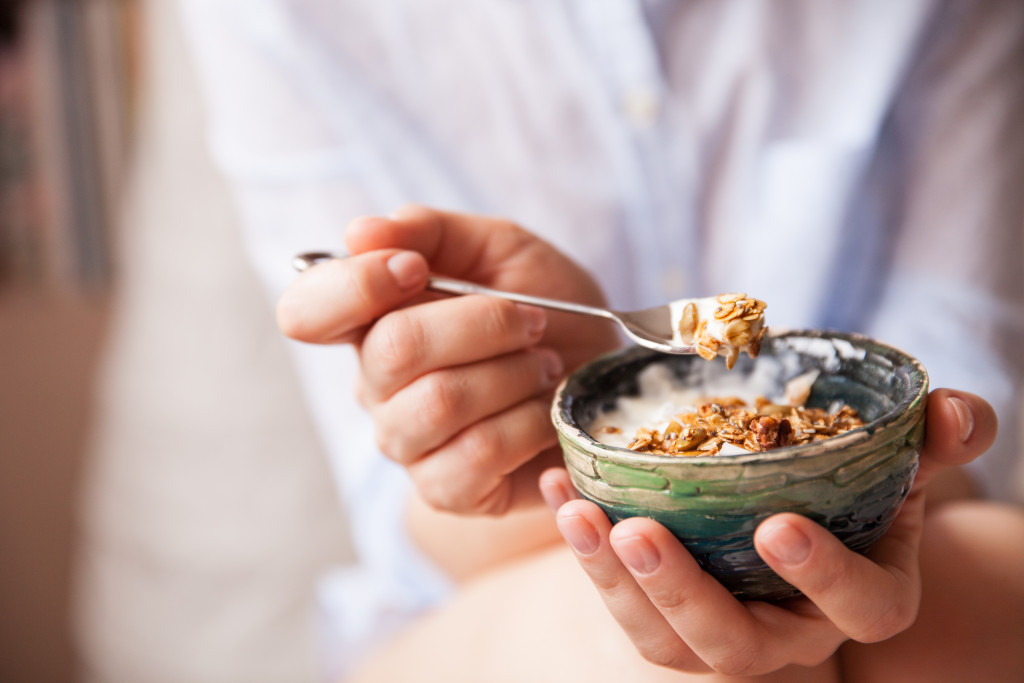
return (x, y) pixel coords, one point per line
(464, 547)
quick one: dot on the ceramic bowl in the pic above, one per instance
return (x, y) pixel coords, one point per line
(852, 484)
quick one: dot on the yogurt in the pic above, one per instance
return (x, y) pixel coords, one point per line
(721, 325)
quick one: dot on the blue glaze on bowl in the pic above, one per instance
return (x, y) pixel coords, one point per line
(852, 484)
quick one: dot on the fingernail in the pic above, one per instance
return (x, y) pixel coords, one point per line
(787, 544)
(965, 417)
(408, 268)
(639, 553)
(552, 364)
(580, 534)
(536, 320)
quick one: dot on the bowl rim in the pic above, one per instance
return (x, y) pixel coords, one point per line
(914, 402)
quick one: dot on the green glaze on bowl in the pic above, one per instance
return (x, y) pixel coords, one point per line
(852, 484)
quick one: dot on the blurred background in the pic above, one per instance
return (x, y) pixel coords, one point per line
(164, 509)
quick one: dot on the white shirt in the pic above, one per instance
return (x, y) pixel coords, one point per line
(848, 162)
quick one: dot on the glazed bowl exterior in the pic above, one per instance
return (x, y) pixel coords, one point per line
(852, 484)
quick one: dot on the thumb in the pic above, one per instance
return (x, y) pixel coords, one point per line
(959, 427)
(334, 301)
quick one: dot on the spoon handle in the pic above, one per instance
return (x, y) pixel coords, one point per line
(452, 286)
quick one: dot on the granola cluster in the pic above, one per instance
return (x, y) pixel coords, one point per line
(737, 325)
(729, 420)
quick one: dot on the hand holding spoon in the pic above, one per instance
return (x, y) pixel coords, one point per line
(710, 326)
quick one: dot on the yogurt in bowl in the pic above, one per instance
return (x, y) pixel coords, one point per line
(671, 420)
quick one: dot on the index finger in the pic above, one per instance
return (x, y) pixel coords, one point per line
(334, 301)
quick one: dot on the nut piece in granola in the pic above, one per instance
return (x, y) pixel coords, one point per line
(771, 432)
(688, 322)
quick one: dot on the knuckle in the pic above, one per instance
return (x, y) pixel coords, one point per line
(438, 498)
(481, 446)
(609, 582)
(499, 318)
(822, 580)
(667, 657)
(496, 503)
(517, 235)
(394, 441)
(672, 601)
(437, 485)
(671, 655)
(736, 662)
(390, 445)
(896, 618)
(816, 656)
(395, 345)
(440, 495)
(442, 397)
(476, 490)
(520, 243)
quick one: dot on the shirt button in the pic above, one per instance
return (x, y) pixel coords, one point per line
(642, 106)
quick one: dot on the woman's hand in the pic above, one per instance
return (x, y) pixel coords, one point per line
(680, 617)
(459, 387)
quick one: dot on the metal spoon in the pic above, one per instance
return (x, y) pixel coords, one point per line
(656, 328)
